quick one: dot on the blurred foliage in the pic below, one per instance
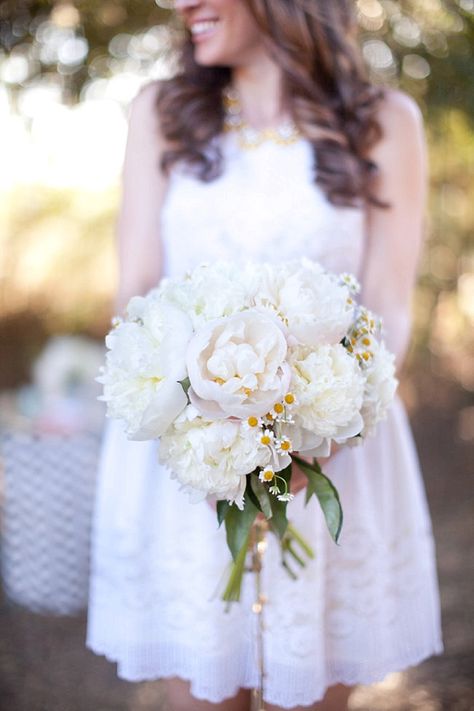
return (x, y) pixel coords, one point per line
(58, 274)
(427, 46)
(444, 303)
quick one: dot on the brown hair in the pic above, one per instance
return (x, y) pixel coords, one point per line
(324, 84)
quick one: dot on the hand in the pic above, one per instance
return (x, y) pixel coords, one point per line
(298, 479)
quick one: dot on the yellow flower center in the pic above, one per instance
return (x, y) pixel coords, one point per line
(265, 439)
(289, 398)
(268, 475)
(366, 341)
(285, 445)
(269, 416)
(278, 408)
(219, 381)
(252, 421)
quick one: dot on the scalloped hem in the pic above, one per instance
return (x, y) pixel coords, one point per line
(297, 698)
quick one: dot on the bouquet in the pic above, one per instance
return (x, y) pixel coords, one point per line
(243, 372)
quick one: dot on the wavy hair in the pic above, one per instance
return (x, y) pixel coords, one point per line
(325, 88)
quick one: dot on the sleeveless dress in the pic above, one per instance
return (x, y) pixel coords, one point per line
(359, 610)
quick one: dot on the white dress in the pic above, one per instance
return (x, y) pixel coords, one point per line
(360, 610)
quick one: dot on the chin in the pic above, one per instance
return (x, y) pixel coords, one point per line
(211, 57)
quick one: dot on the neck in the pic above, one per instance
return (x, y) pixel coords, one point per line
(260, 92)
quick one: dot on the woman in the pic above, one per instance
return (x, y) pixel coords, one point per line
(270, 144)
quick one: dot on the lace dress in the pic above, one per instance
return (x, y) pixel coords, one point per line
(359, 610)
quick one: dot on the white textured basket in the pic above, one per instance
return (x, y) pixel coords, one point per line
(49, 483)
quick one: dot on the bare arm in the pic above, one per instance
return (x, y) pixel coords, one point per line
(143, 189)
(395, 235)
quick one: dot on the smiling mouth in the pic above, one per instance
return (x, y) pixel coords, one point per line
(202, 28)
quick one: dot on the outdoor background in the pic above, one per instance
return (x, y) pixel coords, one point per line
(67, 74)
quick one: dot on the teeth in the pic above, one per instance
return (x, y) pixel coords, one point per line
(200, 27)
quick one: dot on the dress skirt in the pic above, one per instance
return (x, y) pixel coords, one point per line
(359, 610)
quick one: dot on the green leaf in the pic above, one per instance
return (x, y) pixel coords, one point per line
(250, 494)
(185, 384)
(326, 493)
(238, 524)
(279, 522)
(263, 497)
(222, 508)
(286, 475)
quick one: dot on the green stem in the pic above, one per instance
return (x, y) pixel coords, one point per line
(295, 555)
(280, 478)
(288, 569)
(292, 531)
(232, 591)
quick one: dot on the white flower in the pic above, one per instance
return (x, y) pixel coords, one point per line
(145, 362)
(316, 306)
(253, 423)
(211, 291)
(285, 497)
(211, 457)
(266, 437)
(284, 445)
(380, 387)
(329, 386)
(237, 366)
(350, 281)
(267, 474)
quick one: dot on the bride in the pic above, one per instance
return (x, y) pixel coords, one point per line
(270, 144)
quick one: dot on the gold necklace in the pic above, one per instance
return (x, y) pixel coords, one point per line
(284, 134)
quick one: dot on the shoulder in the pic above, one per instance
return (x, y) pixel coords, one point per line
(147, 96)
(401, 153)
(143, 116)
(398, 107)
(401, 121)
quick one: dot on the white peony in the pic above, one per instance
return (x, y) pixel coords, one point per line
(211, 457)
(380, 387)
(237, 366)
(143, 366)
(329, 386)
(316, 306)
(211, 291)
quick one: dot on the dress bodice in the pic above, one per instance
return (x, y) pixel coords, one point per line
(264, 207)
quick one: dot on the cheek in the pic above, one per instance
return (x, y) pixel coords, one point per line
(240, 39)
(240, 27)
(237, 38)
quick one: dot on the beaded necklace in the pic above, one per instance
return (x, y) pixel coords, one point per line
(284, 134)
